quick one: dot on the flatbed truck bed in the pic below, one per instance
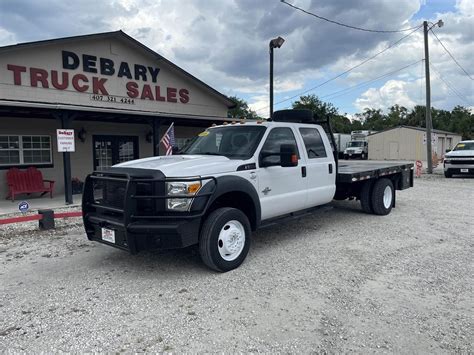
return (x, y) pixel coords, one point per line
(350, 172)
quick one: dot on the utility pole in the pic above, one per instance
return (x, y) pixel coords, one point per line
(428, 100)
(271, 81)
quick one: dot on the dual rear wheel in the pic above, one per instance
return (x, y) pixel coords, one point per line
(377, 197)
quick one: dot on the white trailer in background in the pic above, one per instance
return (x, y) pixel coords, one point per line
(341, 141)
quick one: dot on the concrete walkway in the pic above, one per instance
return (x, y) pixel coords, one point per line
(35, 203)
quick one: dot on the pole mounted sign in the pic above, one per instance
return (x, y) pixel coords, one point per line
(66, 141)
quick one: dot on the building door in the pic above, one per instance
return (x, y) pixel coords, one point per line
(111, 150)
(393, 151)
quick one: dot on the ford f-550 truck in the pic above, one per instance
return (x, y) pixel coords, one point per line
(229, 181)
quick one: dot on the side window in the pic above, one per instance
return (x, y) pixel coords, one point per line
(313, 143)
(271, 149)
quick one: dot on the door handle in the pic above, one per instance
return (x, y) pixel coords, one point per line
(330, 168)
(303, 171)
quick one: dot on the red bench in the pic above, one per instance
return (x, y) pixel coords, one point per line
(27, 182)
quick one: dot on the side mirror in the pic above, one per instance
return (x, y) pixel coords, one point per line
(288, 155)
(448, 150)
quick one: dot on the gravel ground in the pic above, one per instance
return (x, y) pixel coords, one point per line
(336, 281)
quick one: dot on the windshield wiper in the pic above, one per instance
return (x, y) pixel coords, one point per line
(210, 153)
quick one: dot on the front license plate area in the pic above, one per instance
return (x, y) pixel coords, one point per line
(108, 235)
(464, 170)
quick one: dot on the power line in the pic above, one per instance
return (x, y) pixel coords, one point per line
(452, 57)
(345, 72)
(343, 24)
(448, 85)
(350, 88)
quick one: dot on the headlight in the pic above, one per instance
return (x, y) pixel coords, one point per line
(447, 161)
(181, 188)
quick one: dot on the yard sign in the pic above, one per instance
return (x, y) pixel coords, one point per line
(65, 140)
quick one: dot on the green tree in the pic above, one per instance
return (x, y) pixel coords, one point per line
(321, 110)
(241, 109)
(313, 103)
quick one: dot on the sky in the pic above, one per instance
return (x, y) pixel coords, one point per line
(225, 44)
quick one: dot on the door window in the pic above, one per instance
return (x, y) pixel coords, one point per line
(271, 149)
(313, 143)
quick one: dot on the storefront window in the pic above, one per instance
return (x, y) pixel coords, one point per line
(25, 150)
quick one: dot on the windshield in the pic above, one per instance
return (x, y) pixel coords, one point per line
(355, 144)
(464, 146)
(234, 142)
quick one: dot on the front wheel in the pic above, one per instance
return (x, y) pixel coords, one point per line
(447, 174)
(225, 239)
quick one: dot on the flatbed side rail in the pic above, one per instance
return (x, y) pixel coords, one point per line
(346, 176)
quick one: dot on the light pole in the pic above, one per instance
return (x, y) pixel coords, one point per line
(428, 123)
(274, 43)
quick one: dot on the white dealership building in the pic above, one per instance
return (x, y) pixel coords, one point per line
(118, 96)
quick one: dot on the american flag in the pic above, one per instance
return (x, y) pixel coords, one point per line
(168, 140)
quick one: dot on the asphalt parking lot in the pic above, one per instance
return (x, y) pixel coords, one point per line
(337, 281)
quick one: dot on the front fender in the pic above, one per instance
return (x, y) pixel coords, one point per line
(228, 184)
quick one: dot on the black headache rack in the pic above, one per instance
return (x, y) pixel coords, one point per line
(307, 116)
(132, 203)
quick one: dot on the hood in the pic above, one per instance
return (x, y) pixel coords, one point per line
(185, 165)
(459, 153)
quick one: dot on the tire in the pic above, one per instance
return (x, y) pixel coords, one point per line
(346, 157)
(366, 197)
(448, 175)
(382, 197)
(362, 156)
(219, 232)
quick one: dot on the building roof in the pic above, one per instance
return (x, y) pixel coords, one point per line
(123, 36)
(418, 129)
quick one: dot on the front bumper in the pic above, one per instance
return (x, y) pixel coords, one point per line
(139, 236)
(458, 167)
(130, 205)
(353, 154)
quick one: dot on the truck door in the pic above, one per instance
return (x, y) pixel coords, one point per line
(320, 167)
(281, 189)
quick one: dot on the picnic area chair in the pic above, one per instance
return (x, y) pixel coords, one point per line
(27, 182)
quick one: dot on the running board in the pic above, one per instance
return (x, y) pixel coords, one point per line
(293, 216)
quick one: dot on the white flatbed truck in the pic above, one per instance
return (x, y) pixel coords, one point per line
(229, 181)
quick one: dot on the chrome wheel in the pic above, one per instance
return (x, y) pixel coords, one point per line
(387, 197)
(231, 240)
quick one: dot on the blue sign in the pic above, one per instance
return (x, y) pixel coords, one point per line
(23, 206)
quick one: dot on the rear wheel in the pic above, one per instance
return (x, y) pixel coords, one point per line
(382, 197)
(225, 239)
(366, 197)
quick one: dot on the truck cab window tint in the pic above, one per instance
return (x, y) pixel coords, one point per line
(271, 149)
(233, 142)
(313, 143)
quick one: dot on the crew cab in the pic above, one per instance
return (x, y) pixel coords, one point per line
(231, 180)
(460, 161)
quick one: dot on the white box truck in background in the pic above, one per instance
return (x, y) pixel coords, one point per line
(358, 146)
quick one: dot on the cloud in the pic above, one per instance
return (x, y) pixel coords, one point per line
(225, 43)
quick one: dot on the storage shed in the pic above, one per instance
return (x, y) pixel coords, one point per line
(409, 143)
